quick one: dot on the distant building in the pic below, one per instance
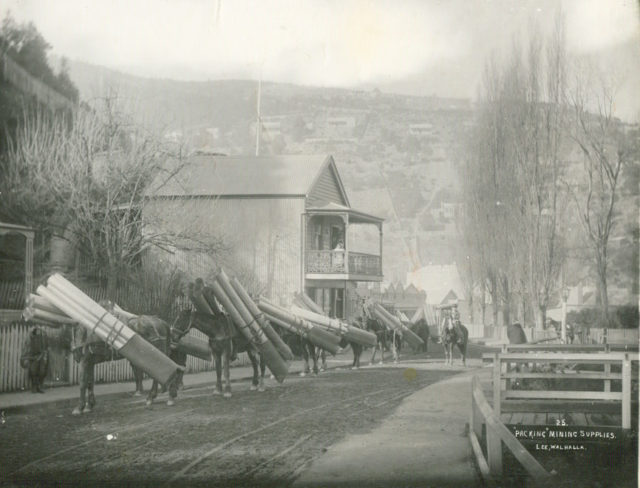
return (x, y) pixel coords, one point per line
(442, 284)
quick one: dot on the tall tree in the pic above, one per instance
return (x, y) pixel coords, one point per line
(605, 150)
(513, 188)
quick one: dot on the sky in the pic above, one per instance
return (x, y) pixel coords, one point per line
(417, 47)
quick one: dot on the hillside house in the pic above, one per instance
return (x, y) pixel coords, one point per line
(286, 221)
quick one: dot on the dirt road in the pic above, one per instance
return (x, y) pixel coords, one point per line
(252, 439)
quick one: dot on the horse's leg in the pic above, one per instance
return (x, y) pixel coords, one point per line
(254, 364)
(463, 352)
(138, 376)
(91, 400)
(173, 391)
(153, 392)
(217, 356)
(373, 356)
(323, 357)
(182, 361)
(305, 357)
(83, 387)
(314, 357)
(225, 359)
(394, 351)
(263, 366)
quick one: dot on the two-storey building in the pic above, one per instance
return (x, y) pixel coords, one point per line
(284, 221)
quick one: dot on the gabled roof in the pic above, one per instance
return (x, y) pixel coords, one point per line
(354, 215)
(213, 175)
(437, 281)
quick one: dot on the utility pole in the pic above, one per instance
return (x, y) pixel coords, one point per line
(258, 122)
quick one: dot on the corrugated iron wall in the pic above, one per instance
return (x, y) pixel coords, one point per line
(261, 239)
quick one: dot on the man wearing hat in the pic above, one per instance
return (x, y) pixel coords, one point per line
(35, 358)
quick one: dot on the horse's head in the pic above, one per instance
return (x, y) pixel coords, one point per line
(181, 325)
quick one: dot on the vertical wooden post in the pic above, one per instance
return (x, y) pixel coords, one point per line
(345, 219)
(626, 392)
(494, 444)
(380, 231)
(28, 266)
(607, 371)
(304, 224)
(497, 384)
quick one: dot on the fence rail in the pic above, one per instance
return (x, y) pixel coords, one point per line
(484, 419)
(561, 365)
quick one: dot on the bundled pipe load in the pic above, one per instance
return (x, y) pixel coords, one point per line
(42, 310)
(411, 337)
(196, 296)
(70, 300)
(194, 346)
(316, 335)
(273, 336)
(350, 333)
(418, 315)
(248, 326)
(387, 321)
(309, 303)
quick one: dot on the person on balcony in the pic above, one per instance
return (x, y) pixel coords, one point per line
(338, 257)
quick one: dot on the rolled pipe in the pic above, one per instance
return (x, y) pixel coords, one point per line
(92, 316)
(316, 335)
(273, 336)
(272, 358)
(36, 301)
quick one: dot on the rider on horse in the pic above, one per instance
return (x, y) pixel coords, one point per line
(448, 321)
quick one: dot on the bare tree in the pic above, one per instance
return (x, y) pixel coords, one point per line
(513, 191)
(605, 151)
(88, 179)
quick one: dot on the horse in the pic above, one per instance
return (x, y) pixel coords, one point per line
(302, 348)
(455, 334)
(356, 347)
(421, 329)
(225, 343)
(89, 350)
(385, 339)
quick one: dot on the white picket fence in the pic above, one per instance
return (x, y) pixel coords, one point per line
(63, 370)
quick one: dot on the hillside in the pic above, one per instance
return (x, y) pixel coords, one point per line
(396, 153)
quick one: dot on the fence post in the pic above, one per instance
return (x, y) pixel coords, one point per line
(626, 392)
(497, 384)
(494, 444)
(607, 371)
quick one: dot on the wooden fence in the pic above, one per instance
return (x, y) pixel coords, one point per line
(63, 370)
(486, 430)
(562, 365)
(612, 336)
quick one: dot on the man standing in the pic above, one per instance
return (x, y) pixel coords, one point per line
(35, 358)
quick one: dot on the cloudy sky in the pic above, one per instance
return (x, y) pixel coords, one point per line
(418, 47)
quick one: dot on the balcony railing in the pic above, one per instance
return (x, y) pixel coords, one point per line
(333, 262)
(364, 264)
(328, 262)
